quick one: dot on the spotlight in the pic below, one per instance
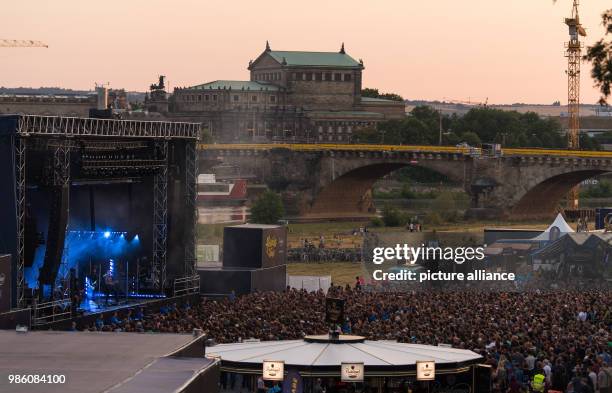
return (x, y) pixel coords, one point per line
(107, 234)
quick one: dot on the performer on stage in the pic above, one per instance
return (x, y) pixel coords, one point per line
(110, 286)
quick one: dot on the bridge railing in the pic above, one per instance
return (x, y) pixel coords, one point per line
(468, 151)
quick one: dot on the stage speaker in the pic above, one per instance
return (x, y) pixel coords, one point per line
(482, 378)
(254, 246)
(56, 234)
(242, 280)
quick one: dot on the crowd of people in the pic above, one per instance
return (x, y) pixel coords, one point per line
(565, 336)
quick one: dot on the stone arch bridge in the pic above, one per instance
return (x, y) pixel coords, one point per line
(335, 181)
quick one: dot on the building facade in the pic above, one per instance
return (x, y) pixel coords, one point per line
(291, 96)
(47, 105)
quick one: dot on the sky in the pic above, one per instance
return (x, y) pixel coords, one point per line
(505, 50)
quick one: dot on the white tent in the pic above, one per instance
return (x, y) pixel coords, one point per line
(560, 224)
(318, 351)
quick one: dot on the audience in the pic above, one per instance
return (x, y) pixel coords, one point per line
(565, 337)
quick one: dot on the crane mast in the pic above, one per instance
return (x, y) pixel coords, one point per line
(573, 54)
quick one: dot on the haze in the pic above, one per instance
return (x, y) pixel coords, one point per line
(509, 51)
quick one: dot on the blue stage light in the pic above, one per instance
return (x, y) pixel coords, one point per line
(136, 238)
(107, 234)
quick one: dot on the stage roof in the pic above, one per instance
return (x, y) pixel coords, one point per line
(92, 361)
(302, 353)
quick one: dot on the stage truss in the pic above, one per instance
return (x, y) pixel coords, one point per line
(66, 129)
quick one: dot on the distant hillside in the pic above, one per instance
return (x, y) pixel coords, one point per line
(43, 91)
(133, 96)
(541, 109)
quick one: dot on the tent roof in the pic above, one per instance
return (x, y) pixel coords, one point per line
(559, 223)
(302, 353)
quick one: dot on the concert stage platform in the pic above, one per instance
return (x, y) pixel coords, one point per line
(106, 362)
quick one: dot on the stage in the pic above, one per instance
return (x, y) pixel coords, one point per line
(105, 362)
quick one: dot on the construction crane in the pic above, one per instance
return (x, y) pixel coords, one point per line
(22, 44)
(573, 54)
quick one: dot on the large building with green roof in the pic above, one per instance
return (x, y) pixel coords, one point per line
(291, 96)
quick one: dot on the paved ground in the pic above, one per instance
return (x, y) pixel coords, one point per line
(90, 361)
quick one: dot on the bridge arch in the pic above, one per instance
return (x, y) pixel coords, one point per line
(542, 198)
(347, 191)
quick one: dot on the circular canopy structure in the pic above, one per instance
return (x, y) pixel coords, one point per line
(322, 355)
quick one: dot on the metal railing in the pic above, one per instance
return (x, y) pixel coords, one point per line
(407, 148)
(53, 311)
(186, 285)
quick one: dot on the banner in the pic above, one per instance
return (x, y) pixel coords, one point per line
(426, 370)
(273, 370)
(5, 283)
(351, 372)
(293, 382)
(207, 253)
(334, 310)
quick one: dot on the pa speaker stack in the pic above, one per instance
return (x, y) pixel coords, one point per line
(254, 259)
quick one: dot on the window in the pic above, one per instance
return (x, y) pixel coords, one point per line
(328, 76)
(236, 98)
(272, 98)
(199, 97)
(298, 76)
(214, 97)
(347, 77)
(309, 76)
(206, 97)
(254, 98)
(337, 77)
(318, 76)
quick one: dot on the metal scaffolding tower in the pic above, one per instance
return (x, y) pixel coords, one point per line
(160, 217)
(191, 157)
(20, 177)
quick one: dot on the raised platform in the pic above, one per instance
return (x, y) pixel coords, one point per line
(101, 362)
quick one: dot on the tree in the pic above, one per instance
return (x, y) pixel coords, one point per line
(267, 209)
(471, 138)
(374, 93)
(366, 135)
(392, 217)
(600, 56)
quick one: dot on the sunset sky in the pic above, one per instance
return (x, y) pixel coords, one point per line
(506, 50)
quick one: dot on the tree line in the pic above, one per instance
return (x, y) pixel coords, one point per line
(478, 125)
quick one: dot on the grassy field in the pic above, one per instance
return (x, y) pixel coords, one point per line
(342, 273)
(213, 233)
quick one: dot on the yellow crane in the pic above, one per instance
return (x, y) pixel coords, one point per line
(22, 44)
(573, 53)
